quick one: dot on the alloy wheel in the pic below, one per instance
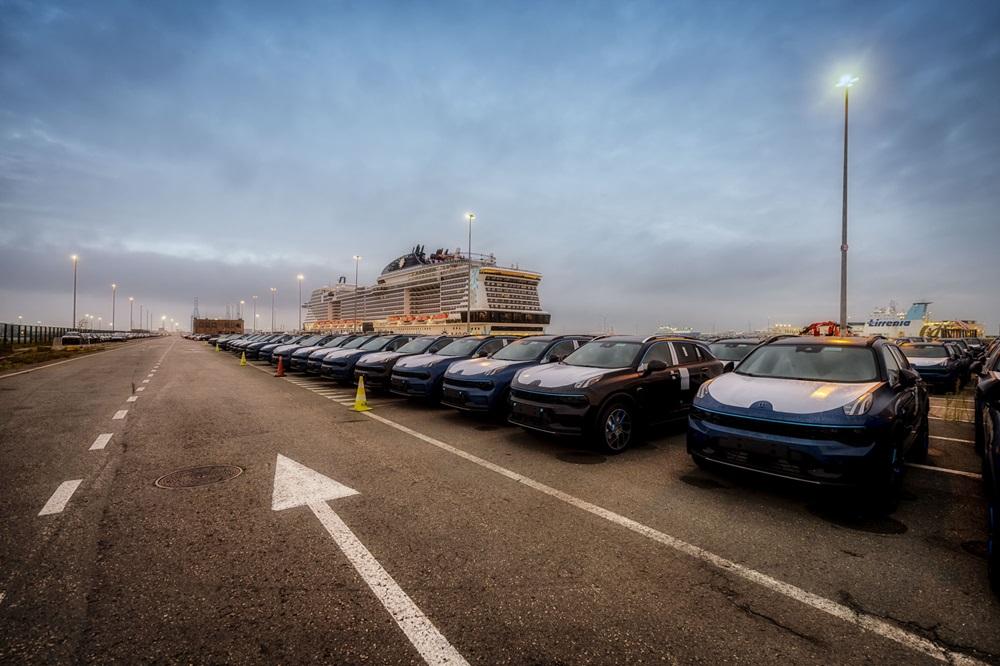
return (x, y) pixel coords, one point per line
(618, 429)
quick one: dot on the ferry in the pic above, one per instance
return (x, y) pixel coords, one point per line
(916, 322)
(423, 293)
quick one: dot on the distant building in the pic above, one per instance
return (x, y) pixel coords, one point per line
(217, 326)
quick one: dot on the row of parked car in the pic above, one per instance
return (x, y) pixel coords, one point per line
(824, 411)
(72, 338)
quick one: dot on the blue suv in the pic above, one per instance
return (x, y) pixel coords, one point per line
(483, 384)
(339, 364)
(988, 446)
(421, 375)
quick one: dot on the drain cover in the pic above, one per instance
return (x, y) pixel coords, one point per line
(582, 457)
(198, 476)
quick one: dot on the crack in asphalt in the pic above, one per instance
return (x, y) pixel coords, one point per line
(722, 585)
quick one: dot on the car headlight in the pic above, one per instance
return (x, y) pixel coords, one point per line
(703, 389)
(859, 406)
(587, 382)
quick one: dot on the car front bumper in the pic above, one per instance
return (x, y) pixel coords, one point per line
(551, 413)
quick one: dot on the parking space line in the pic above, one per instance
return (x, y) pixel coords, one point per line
(101, 441)
(131, 398)
(946, 470)
(60, 498)
(938, 418)
(850, 615)
(952, 439)
(119, 415)
(141, 388)
(145, 381)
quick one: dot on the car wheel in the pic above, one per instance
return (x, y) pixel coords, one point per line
(615, 427)
(918, 453)
(882, 487)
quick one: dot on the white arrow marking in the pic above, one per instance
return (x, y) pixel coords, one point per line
(297, 485)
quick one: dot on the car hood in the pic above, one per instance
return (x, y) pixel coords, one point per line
(426, 360)
(790, 396)
(926, 362)
(343, 353)
(378, 358)
(477, 367)
(281, 348)
(305, 351)
(560, 375)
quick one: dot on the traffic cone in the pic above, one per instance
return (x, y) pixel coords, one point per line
(243, 359)
(360, 400)
(280, 372)
(217, 347)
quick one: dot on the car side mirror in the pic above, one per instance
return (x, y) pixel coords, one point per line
(909, 377)
(554, 358)
(482, 354)
(728, 366)
(655, 365)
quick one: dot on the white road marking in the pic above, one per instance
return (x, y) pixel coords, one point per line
(145, 381)
(131, 398)
(938, 418)
(150, 375)
(141, 388)
(101, 441)
(119, 415)
(862, 620)
(956, 472)
(952, 439)
(297, 485)
(2, 595)
(60, 498)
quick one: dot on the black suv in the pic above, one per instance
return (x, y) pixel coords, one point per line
(610, 387)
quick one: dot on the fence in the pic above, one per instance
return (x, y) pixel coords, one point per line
(21, 334)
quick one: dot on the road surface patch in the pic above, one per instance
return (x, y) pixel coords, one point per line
(101, 441)
(60, 498)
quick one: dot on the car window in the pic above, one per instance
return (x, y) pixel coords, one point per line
(815, 362)
(891, 365)
(396, 344)
(461, 347)
(562, 349)
(900, 357)
(492, 346)
(658, 351)
(523, 350)
(685, 353)
(439, 345)
(605, 354)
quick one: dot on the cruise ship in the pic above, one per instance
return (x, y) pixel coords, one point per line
(424, 294)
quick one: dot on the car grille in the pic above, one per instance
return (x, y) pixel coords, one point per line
(415, 374)
(548, 398)
(857, 436)
(469, 383)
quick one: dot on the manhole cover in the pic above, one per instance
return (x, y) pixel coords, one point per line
(198, 476)
(582, 457)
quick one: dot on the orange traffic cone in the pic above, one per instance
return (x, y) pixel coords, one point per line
(280, 372)
(360, 399)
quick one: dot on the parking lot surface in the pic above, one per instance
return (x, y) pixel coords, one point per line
(162, 503)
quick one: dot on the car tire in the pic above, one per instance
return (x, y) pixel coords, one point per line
(918, 453)
(615, 428)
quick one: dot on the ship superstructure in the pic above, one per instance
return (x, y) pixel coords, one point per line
(421, 293)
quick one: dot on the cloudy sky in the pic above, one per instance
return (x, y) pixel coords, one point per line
(660, 162)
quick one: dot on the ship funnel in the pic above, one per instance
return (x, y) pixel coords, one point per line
(917, 311)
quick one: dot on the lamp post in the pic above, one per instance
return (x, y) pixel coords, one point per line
(357, 261)
(254, 314)
(300, 277)
(100, 323)
(114, 296)
(75, 261)
(239, 315)
(273, 291)
(471, 217)
(846, 81)
(130, 301)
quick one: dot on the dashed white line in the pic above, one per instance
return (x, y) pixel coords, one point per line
(952, 439)
(131, 398)
(101, 441)
(141, 388)
(119, 415)
(145, 381)
(60, 498)
(946, 470)
(850, 615)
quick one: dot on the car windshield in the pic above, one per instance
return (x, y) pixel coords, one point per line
(523, 350)
(731, 351)
(311, 340)
(924, 351)
(605, 354)
(417, 346)
(355, 343)
(826, 363)
(461, 347)
(376, 343)
(336, 341)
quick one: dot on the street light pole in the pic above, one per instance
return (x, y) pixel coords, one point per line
(75, 261)
(357, 260)
(300, 278)
(471, 217)
(114, 297)
(254, 314)
(130, 301)
(845, 82)
(273, 290)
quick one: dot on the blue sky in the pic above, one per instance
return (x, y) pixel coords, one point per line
(657, 162)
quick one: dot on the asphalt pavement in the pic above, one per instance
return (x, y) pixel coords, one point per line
(233, 516)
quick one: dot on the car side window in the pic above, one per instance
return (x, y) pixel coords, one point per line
(658, 351)
(491, 346)
(891, 365)
(440, 344)
(900, 357)
(396, 344)
(561, 349)
(685, 353)
(701, 353)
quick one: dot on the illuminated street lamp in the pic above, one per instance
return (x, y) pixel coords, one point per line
(130, 301)
(76, 260)
(274, 290)
(471, 217)
(239, 315)
(300, 277)
(357, 261)
(846, 81)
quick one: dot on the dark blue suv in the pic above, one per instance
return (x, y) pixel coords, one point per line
(483, 384)
(339, 364)
(988, 445)
(938, 365)
(421, 375)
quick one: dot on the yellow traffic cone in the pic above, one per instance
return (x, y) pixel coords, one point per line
(360, 400)
(243, 359)
(217, 347)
